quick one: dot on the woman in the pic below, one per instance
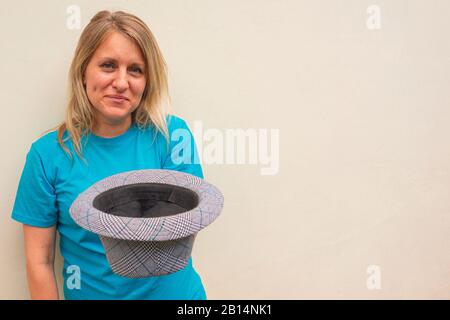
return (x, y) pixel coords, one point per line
(116, 121)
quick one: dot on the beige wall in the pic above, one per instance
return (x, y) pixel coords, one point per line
(362, 114)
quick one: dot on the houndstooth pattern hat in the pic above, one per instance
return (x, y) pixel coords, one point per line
(148, 219)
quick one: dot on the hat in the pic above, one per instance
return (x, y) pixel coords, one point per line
(147, 220)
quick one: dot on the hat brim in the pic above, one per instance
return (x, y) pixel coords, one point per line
(163, 228)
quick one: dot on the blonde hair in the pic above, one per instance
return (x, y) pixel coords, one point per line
(155, 102)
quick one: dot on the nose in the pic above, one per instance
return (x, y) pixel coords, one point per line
(120, 82)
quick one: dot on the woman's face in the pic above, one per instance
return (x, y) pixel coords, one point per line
(115, 79)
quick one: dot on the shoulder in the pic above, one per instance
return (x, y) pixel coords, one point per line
(46, 143)
(43, 155)
(175, 122)
(177, 128)
(48, 148)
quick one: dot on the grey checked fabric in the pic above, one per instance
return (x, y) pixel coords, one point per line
(145, 247)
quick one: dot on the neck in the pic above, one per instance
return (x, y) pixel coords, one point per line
(109, 129)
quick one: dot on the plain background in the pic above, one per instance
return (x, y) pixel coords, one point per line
(363, 116)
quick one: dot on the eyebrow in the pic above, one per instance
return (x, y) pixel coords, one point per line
(115, 60)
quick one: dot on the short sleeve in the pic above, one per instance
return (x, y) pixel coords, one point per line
(35, 202)
(182, 153)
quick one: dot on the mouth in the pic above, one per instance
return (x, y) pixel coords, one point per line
(117, 99)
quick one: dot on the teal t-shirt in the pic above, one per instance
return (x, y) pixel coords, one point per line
(50, 182)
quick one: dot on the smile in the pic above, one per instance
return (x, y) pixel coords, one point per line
(117, 99)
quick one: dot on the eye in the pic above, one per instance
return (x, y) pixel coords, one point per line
(107, 65)
(136, 70)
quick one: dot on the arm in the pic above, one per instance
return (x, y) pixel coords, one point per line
(40, 256)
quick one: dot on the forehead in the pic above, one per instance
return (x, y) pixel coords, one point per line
(120, 47)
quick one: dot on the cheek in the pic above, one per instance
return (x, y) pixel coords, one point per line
(138, 88)
(97, 82)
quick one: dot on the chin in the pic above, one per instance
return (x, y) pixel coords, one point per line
(116, 116)
(114, 113)
(117, 110)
